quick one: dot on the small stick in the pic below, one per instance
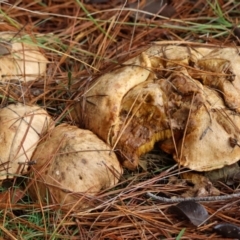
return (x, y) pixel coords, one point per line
(196, 199)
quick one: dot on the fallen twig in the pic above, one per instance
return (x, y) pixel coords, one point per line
(196, 199)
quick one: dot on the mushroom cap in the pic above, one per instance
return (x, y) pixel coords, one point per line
(205, 125)
(103, 99)
(203, 106)
(71, 163)
(209, 142)
(22, 127)
(20, 59)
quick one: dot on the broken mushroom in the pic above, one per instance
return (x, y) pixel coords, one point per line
(72, 164)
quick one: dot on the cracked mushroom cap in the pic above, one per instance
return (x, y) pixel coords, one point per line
(22, 127)
(203, 112)
(206, 128)
(71, 163)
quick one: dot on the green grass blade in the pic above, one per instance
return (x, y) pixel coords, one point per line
(94, 21)
(180, 234)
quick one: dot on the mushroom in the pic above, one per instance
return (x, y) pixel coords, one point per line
(203, 125)
(20, 58)
(72, 164)
(143, 122)
(21, 129)
(100, 113)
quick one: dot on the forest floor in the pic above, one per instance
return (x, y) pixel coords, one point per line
(83, 40)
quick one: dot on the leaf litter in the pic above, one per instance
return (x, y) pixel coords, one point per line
(194, 211)
(124, 210)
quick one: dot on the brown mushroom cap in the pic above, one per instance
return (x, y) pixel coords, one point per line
(21, 129)
(72, 162)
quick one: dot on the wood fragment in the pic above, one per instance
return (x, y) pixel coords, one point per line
(196, 199)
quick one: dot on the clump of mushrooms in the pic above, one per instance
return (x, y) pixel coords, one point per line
(184, 96)
(75, 161)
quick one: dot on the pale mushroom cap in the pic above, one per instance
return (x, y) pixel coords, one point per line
(21, 60)
(206, 115)
(103, 100)
(208, 146)
(22, 127)
(73, 161)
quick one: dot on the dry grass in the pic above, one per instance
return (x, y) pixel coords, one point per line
(81, 46)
